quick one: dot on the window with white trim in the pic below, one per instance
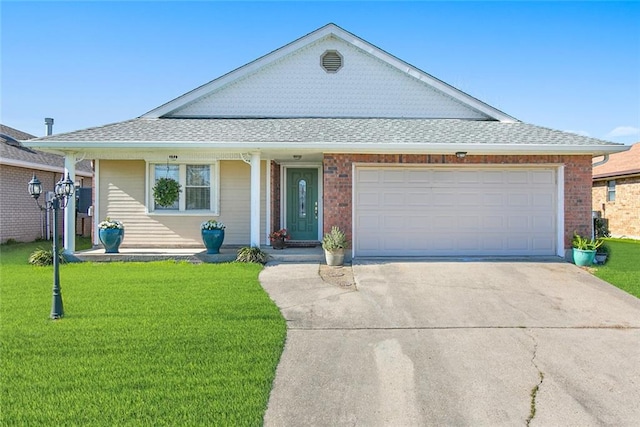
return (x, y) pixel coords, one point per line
(199, 187)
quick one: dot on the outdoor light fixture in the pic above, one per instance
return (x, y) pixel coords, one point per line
(61, 195)
(461, 154)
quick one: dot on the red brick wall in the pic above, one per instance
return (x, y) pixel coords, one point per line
(338, 183)
(275, 197)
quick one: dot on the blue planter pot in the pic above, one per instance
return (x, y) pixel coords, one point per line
(212, 240)
(583, 258)
(111, 239)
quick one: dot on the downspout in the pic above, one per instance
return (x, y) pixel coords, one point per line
(604, 160)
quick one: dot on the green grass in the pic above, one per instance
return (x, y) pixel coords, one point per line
(159, 343)
(623, 266)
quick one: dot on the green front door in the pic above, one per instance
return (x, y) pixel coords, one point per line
(302, 203)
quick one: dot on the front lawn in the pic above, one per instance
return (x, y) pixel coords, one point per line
(623, 266)
(159, 343)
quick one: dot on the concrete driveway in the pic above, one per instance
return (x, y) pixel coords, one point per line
(455, 343)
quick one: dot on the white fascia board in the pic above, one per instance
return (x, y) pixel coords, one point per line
(362, 148)
(38, 166)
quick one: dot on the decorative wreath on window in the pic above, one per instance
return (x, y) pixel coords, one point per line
(166, 192)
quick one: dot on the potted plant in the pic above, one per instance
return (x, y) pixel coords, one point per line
(166, 192)
(277, 238)
(111, 235)
(334, 244)
(602, 253)
(212, 232)
(584, 250)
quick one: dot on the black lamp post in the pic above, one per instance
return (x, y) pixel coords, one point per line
(61, 195)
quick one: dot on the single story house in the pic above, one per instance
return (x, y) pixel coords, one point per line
(330, 130)
(20, 218)
(616, 192)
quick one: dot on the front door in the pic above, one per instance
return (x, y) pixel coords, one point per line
(302, 203)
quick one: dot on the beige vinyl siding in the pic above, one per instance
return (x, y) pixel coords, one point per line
(122, 197)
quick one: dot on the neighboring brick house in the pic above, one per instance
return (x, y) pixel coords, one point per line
(616, 192)
(331, 130)
(20, 219)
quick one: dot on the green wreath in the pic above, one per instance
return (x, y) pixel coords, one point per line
(166, 192)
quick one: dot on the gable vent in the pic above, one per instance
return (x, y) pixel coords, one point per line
(331, 61)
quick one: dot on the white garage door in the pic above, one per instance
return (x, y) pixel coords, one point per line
(418, 211)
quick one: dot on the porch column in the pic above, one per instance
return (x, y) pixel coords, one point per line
(255, 199)
(69, 238)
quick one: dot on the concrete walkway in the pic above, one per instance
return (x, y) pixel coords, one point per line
(455, 343)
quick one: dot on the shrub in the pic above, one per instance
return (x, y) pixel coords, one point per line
(252, 254)
(335, 239)
(43, 257)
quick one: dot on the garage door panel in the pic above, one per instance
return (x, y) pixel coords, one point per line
(442, 177)
(542, 201)
(393, 200)
(441, 198)
(543, 244)
(368, 199)
(419, 176)
(492, 199)
(518, 200)
(493, 222)
(369, 222)
(518, 177)
(518, 243)
(468, 177)
(543, 177)
(471, 223)
(423, 198)
(368, 176)
(544, 224)
(493, 177)
(393, 176)
(517, 223)
(492, 243)
(469, 199)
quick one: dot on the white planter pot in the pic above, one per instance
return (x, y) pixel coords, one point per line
(334, 257)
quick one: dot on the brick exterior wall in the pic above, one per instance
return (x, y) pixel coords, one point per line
(338, 183)
(20, 218)
(275, 197)
(623, 214)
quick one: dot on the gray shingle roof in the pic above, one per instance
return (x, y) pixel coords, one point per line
(24, 154)
(326, 130)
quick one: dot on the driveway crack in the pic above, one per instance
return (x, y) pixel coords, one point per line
(536, 388)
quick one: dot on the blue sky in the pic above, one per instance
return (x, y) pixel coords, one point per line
(572, 66)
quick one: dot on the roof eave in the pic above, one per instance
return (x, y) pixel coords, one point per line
(618, 174)
(63, 147)
(39, 166)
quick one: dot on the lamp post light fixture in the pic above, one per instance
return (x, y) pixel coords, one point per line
(61, 195)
